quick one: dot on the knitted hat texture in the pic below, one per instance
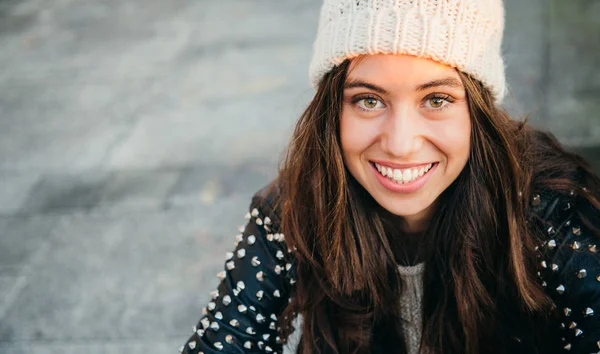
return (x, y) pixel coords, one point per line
(464, 34)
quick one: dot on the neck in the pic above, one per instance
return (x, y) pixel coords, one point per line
(407, 245)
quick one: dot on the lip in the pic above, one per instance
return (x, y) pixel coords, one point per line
(405, 187)
(401, 165)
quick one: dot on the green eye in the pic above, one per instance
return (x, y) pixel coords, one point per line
(436, 102)
(370, 103)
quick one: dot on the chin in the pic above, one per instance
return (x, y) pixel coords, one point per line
(405, 208)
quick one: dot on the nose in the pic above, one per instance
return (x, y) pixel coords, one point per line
(402, 133)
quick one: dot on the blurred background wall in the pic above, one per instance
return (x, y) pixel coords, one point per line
(134, 132)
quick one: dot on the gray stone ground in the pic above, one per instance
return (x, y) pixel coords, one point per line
(133, 134)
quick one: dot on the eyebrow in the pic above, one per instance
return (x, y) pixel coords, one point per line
(353, 84)
(447, 81)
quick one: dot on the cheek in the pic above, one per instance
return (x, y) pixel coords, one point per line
(454, 139)
(354, 135)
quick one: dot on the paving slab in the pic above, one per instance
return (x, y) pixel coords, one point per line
(283, 20)
(65, 127)
(109, 275)
(50, 105)
(573, 78)
(94, 346)
(524, 50)
(66, 191)
(64, 37)
(72, 147)
(217, 133)
(22, 236)
(137, 190)
(15, 189)
(24, 243)
(206, 184)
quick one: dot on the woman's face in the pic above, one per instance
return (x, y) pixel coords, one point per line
(405, 132)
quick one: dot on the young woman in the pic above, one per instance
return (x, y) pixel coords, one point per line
(412, 215)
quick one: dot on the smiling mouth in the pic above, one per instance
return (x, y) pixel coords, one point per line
(405, 175)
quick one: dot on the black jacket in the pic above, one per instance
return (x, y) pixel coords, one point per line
(259, 274)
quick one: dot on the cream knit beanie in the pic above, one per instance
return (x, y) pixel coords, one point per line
(465, 34)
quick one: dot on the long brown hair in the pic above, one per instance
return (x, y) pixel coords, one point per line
(480, 284)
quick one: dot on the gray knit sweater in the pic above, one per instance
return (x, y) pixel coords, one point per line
(411, 305)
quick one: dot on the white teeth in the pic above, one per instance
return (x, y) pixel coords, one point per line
(406, 176)
(403, 176)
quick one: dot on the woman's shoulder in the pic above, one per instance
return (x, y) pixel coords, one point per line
(256, 284)
(569, 264)
(564, 215)
(268, 199)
